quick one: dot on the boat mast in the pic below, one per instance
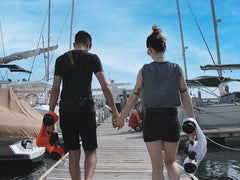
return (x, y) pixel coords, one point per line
(183, 47)
(216, 37)
(70, 45)
(49, 13)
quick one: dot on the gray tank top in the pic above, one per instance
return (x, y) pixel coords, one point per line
(161, 84)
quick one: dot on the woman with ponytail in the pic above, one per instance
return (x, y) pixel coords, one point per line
(163, 88)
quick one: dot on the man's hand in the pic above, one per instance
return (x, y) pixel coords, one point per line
(114, 117)
(50, 128)
(119, 122)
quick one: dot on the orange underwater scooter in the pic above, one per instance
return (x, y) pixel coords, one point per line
(50, 139)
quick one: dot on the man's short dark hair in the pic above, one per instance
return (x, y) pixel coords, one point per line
(82, 37)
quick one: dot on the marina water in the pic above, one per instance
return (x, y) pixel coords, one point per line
(218, 164)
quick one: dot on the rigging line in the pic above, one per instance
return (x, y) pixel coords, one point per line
(201, 32)
(206, 90)
(2, 47)
(51, 59)
(63, 24)
(38, 45)
(209, 91)
(2, 40)
(61, 32)
(226, 147)
(2, 75)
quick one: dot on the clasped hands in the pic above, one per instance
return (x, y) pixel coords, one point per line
(117, 121)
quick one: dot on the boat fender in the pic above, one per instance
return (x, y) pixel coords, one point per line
(196, 149)
(50, 139)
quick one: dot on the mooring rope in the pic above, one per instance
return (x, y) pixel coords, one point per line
(226, 147)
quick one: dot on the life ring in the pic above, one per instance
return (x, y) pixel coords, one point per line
(32, 99)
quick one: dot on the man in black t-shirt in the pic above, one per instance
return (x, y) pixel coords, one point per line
(77, 113)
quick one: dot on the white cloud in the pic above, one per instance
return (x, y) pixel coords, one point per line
(119, 30)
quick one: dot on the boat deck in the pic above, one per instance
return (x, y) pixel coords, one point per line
(121, 155)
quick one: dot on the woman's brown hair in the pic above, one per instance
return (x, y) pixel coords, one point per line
(156, 40)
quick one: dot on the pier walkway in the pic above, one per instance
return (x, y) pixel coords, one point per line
(121, 155)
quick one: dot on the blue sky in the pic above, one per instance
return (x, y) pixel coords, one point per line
(119, 30)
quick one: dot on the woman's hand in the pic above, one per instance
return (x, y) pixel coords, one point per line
(193, 135)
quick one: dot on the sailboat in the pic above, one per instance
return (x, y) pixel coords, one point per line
(223, 110)
(20, 123)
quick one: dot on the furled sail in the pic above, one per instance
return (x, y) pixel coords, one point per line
(26, 54)
(221, 67)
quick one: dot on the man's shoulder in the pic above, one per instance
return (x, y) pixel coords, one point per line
(63, 56)
(93, 56)
(81, 52)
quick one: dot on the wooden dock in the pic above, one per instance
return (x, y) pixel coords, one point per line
(121, 155)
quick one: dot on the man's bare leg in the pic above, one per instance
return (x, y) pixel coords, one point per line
(74, 164)
(90, 164)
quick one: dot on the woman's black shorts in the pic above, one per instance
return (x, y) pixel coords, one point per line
(74, 126)
(161, 124)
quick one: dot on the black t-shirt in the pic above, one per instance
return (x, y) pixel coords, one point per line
(77, 79)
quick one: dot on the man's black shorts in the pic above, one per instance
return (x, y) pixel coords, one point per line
(74, 126)
(161, 124)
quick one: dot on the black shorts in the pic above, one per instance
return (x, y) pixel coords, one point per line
(78, 125)
(161, 124)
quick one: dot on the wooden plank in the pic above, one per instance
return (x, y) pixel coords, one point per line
(121, 155)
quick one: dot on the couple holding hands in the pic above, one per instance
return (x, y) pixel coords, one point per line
(160, 83)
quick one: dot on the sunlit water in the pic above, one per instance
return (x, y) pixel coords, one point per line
(218, 164)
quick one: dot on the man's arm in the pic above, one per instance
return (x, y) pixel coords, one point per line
(107, 94)
(53, 99)
(55, 92)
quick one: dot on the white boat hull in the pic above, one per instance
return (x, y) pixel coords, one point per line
(18, 152)
(215, 116)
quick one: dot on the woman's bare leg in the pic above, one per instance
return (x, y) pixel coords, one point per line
(156, 156)
(170, 153)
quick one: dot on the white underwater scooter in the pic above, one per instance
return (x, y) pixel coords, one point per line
(196, 148)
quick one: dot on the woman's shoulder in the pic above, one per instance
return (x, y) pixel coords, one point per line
(175, 65)
(176, 68)
(146, 66)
